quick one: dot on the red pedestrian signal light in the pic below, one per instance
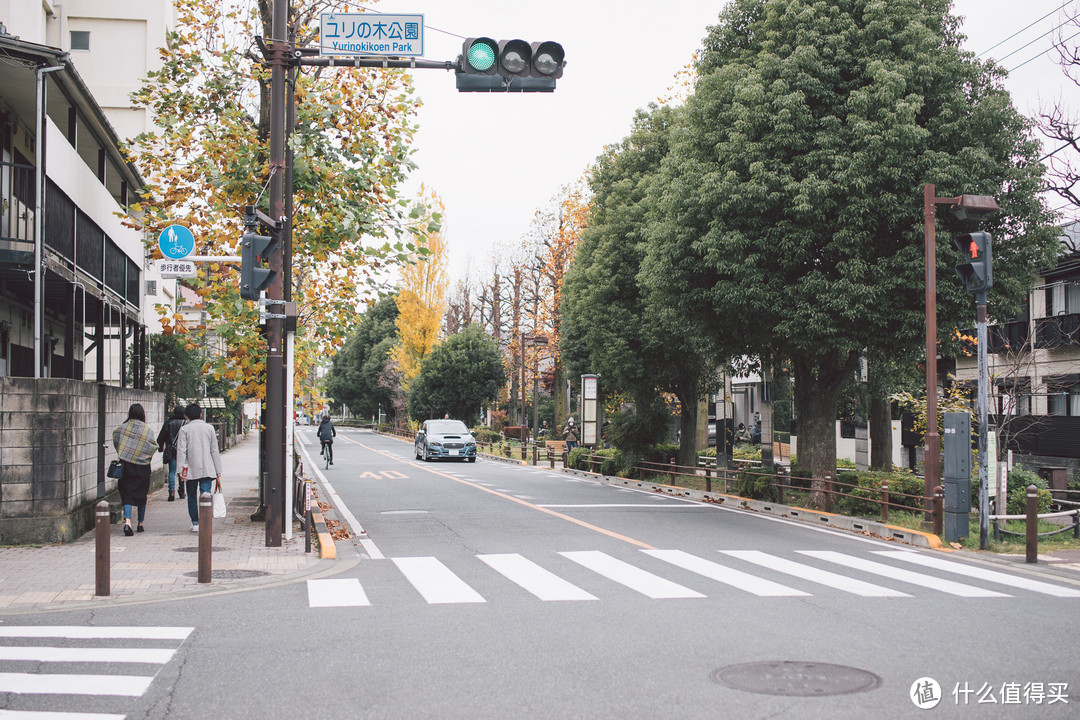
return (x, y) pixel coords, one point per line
(978, 272)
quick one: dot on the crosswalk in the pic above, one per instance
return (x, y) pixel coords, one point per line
(40, 663)
(679, 574)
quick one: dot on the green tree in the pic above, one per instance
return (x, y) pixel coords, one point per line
(353, 376)
(791, 200)
(176, 368)
(458, 377)
(611, 326)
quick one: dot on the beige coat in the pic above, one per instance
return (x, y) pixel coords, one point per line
(197, 451)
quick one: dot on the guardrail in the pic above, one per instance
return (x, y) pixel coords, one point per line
(739, 481)
(1031, 519)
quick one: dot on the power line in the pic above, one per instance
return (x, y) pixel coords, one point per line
(1042, 53)
(1026, 28)
(1028, 44)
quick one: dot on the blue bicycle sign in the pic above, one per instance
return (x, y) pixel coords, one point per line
(176, 242)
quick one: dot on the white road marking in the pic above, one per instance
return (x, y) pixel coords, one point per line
(96, 633)
(341, 592)
(823, 577)
(540, 582)
(54, 684)
(46, 715)
(158, 656)
(981, 573)
(373, 550)
(632, 577)
(435, 582)
(736, 578)
(927, 581)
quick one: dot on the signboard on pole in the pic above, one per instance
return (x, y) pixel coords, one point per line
(176, 242)
(176, 269)
(590, 415)
(371, 34)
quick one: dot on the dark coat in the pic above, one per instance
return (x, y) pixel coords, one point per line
(326, 431)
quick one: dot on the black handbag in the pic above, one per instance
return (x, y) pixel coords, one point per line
(116, 470)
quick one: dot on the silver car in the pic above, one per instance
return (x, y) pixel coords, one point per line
(449, 439)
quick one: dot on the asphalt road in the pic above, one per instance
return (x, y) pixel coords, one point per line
(489, 590)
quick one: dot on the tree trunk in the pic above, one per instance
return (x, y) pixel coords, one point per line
(689, 393)
(559, 391)
(816, 388)
(768, 390)
(880, 420)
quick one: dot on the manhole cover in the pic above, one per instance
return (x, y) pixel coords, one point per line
(798, 679)
(213, 548)
(229, 574)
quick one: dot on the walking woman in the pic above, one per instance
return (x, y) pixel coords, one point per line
(135, 445)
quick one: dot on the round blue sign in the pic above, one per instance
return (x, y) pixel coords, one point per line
(176, 242)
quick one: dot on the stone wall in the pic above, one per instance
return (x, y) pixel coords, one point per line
(1034, 462)
(48, 455)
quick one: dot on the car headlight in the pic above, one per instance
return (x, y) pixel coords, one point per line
(432, 443)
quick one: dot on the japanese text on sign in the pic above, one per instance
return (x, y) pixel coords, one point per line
(371, 34)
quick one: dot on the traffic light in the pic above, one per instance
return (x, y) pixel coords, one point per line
(254, 250)
(977, 271)
(487, 65)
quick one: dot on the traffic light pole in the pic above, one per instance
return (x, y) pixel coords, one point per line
(984, 481)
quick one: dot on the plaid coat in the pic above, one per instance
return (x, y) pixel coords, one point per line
(134, 442)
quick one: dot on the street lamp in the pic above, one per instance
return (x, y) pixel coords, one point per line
(964, 207)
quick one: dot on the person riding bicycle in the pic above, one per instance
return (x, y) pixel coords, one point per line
(326, 435)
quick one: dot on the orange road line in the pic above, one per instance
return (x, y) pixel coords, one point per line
(511, 498)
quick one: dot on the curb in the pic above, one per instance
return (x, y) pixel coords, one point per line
(810, 517)
(327, 548)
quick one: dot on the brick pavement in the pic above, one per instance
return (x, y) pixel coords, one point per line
(162, 562)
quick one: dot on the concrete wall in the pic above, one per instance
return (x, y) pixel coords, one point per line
(48, 454)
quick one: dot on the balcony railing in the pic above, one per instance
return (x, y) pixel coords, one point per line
(1057, 331)
(16, 202)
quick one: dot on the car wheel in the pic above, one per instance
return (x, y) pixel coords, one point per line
(471, 459)
(416, 451)
(425, 457)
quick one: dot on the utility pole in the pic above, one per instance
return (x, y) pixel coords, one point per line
(278, 56)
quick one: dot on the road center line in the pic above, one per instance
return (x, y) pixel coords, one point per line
(511, 498)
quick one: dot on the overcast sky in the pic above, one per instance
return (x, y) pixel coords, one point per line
(496, 158)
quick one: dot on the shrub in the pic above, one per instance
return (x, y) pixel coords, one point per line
(868, 491)
(607, 462)
(661, 453)
(756, 485)
(485, 434)
(498, 420)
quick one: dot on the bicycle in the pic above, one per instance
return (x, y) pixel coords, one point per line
(325, 452)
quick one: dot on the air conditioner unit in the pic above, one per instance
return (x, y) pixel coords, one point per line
(151, 287)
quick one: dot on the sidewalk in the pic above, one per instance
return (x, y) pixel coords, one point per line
(162, 563)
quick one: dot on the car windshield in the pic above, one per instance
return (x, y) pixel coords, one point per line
(447, 427)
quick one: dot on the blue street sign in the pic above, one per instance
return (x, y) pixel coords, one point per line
(176, 242)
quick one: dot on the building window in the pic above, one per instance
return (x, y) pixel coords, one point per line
(80, 39)
(1063, 401)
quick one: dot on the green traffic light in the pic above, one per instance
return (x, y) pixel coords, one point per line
(481, 56)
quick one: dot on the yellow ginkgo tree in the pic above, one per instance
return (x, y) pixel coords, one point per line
(421, 302)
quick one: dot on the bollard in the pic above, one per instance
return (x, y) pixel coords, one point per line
(565, 457)
(938, 505)
(101, 549)
(308, 521)
(671, 474)
(551, 459)
(779, 480)
(523, 448)
(708, 477)
(828, 493)
(884, 501)
(206, 534)
(534, 454)
(1032, 526)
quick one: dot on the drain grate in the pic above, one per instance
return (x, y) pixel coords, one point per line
(213, 548)
(796, 679)
(229, 574)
